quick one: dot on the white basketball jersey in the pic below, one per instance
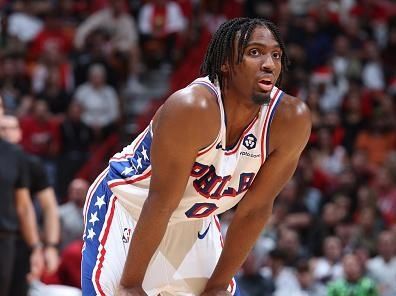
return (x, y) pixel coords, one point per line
(220, 176)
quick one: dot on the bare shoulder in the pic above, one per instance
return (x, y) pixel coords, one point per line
(291, 126)
(193, 111)
(293, 109)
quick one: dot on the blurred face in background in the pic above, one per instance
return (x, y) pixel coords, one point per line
(305, 276)
(330, 215)
(74, 112)
(387, 245)
(352, 268)
(10, 129)
(97, 76)
(332, 248)
(78, 189)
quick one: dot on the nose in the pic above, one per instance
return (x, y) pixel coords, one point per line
(267, 63)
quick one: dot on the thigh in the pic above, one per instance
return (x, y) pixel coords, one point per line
(107, 235)
(191, 269)
(7, 254)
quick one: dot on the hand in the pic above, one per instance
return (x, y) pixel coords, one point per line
(216, 293)
(135, 291)
(51, 257)
(36, 264)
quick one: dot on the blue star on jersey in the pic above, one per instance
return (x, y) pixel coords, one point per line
(128, 164)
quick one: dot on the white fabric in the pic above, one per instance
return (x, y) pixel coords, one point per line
(185, 260)
(100, 106)
(175, 21)
(24, 26)
(384, 273)
(122, 29)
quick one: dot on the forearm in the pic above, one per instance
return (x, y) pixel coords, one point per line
(51, 216)
(237, 246)
(146, 238)
(27, 219)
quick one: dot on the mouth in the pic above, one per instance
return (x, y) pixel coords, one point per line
(266, 84)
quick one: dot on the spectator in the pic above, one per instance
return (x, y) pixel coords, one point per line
(325, 226)
(385, 186)
(51, 62)
(367, 229)
(99, 102)
(51, 35)
(161, 24)
(56, 96)
(14, 81)
(71, 214)
(377, 141)
(75, 141)
(354, 282)
(289, 242)
(40, 131)
(307, 284)
(298, 216)
(250, 281)
(22, 23)
(121, 29)
(283, 277)
(382, 268)
(328, 267)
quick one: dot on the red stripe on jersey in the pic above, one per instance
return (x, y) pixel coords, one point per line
(130, 181)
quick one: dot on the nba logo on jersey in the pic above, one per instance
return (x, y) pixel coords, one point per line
(250, 141)
(126, 235)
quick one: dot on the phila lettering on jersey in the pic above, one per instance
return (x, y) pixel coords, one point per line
(220, 177)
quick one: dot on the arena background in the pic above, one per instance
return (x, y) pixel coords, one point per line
(84, 83)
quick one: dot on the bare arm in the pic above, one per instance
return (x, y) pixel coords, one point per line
(49, 205)
(28, 225)
(186, 123)
(289, 135)
(26, 216)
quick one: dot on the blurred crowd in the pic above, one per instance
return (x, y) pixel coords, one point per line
(78, 79)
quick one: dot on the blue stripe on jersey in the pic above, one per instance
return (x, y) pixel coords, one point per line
(132, 164)
(97, 211)
(269, 124)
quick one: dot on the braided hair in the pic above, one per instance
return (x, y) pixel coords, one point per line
(221, 48)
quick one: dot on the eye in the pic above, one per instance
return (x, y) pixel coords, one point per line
(254, 52)
(276, 55)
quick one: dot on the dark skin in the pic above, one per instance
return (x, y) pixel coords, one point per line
(194, 111)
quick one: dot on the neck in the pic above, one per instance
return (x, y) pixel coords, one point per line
(238, 117)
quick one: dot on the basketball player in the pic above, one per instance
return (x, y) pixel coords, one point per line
(230, 137)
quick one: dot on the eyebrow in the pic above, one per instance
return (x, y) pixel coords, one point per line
(276, 45)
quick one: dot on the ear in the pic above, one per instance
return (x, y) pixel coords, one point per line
(225, 68)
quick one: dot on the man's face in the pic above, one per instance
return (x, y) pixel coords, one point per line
(352, 268)
(260, 68)
(10, 129)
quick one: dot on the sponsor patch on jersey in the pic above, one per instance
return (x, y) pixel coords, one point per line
(244, 153)
(250, 141)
